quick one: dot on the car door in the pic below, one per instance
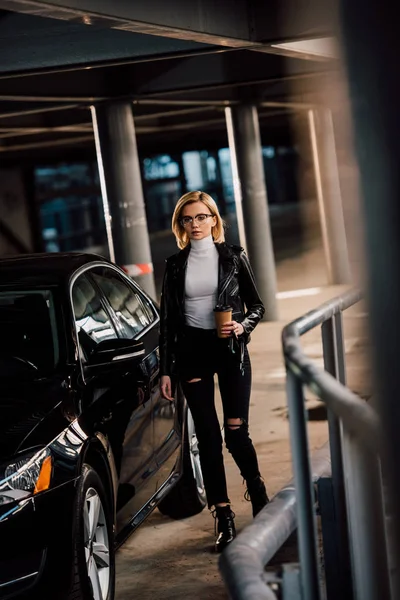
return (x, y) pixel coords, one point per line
(136, 318)
(115, 404)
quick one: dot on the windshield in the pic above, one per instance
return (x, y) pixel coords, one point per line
(28, 339)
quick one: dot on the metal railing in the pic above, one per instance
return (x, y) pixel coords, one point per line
(242, 563)
(354, 440)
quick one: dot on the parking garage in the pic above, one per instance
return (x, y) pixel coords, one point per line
(108, 114)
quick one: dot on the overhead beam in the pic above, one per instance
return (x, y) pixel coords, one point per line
(194, 99)
(47, 144)
(217, 70)
(70, 112)
(27, 131)
(280, 21)
(170, 76)
(173, 113)
(232, 23)
(52, 99)
(220, 22)
(36, 111)
(320, 49)
(217, 123)
(11, 132)
(31, 45)
(266, 82)
(22, 70)
(289, 105)
(210, 102)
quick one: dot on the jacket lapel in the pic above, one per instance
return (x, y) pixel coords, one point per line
(180, 273)
(226, 269)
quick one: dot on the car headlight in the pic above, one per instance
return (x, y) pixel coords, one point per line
(26, 476)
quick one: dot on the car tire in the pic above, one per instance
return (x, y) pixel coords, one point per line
(188, 496)
(94, 556)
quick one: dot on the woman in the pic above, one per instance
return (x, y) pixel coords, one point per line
(206, 273)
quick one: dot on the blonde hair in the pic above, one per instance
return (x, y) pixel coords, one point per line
(182, 238)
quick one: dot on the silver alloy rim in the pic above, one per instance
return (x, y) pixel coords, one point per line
(194, 454)
(96, 542)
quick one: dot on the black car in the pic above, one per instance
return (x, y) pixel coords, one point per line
(88, 448)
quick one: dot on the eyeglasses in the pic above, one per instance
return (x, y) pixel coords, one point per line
(202, 218)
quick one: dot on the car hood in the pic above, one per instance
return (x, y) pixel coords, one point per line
(24, 406)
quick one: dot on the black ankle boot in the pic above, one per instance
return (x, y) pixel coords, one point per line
(257, 494)
(225, 527)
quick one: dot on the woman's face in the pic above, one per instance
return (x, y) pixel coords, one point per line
(196, 225)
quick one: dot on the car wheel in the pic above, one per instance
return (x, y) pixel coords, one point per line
(188, 496)
(94, 560)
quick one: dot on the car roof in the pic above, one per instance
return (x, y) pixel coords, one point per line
(44, 269)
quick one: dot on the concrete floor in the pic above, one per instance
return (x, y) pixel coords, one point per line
(172, 560)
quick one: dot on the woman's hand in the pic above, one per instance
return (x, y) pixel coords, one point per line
(232, 327)
(166, 388)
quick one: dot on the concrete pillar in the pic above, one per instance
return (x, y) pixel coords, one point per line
(251, 200)
(329, 196)
(370, 44)
(121, 186)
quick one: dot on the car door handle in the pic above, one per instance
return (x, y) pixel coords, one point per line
(135, 354)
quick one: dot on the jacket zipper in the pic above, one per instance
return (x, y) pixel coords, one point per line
(227, 282)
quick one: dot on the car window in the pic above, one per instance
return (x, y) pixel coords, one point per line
(29, 329)
(131, 308)
(92, 321)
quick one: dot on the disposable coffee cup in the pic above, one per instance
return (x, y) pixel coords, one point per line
(222, 314)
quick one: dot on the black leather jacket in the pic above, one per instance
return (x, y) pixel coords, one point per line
(236, 287)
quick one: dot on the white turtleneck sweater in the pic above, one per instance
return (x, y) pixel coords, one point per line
(201, 284)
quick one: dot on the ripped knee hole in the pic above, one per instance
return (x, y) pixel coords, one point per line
(193, 380)
(234, 424)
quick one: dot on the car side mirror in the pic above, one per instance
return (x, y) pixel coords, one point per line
(112, 354)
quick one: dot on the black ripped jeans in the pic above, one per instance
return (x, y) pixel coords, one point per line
(200, 356)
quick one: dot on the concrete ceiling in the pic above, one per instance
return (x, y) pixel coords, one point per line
(179, 62)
